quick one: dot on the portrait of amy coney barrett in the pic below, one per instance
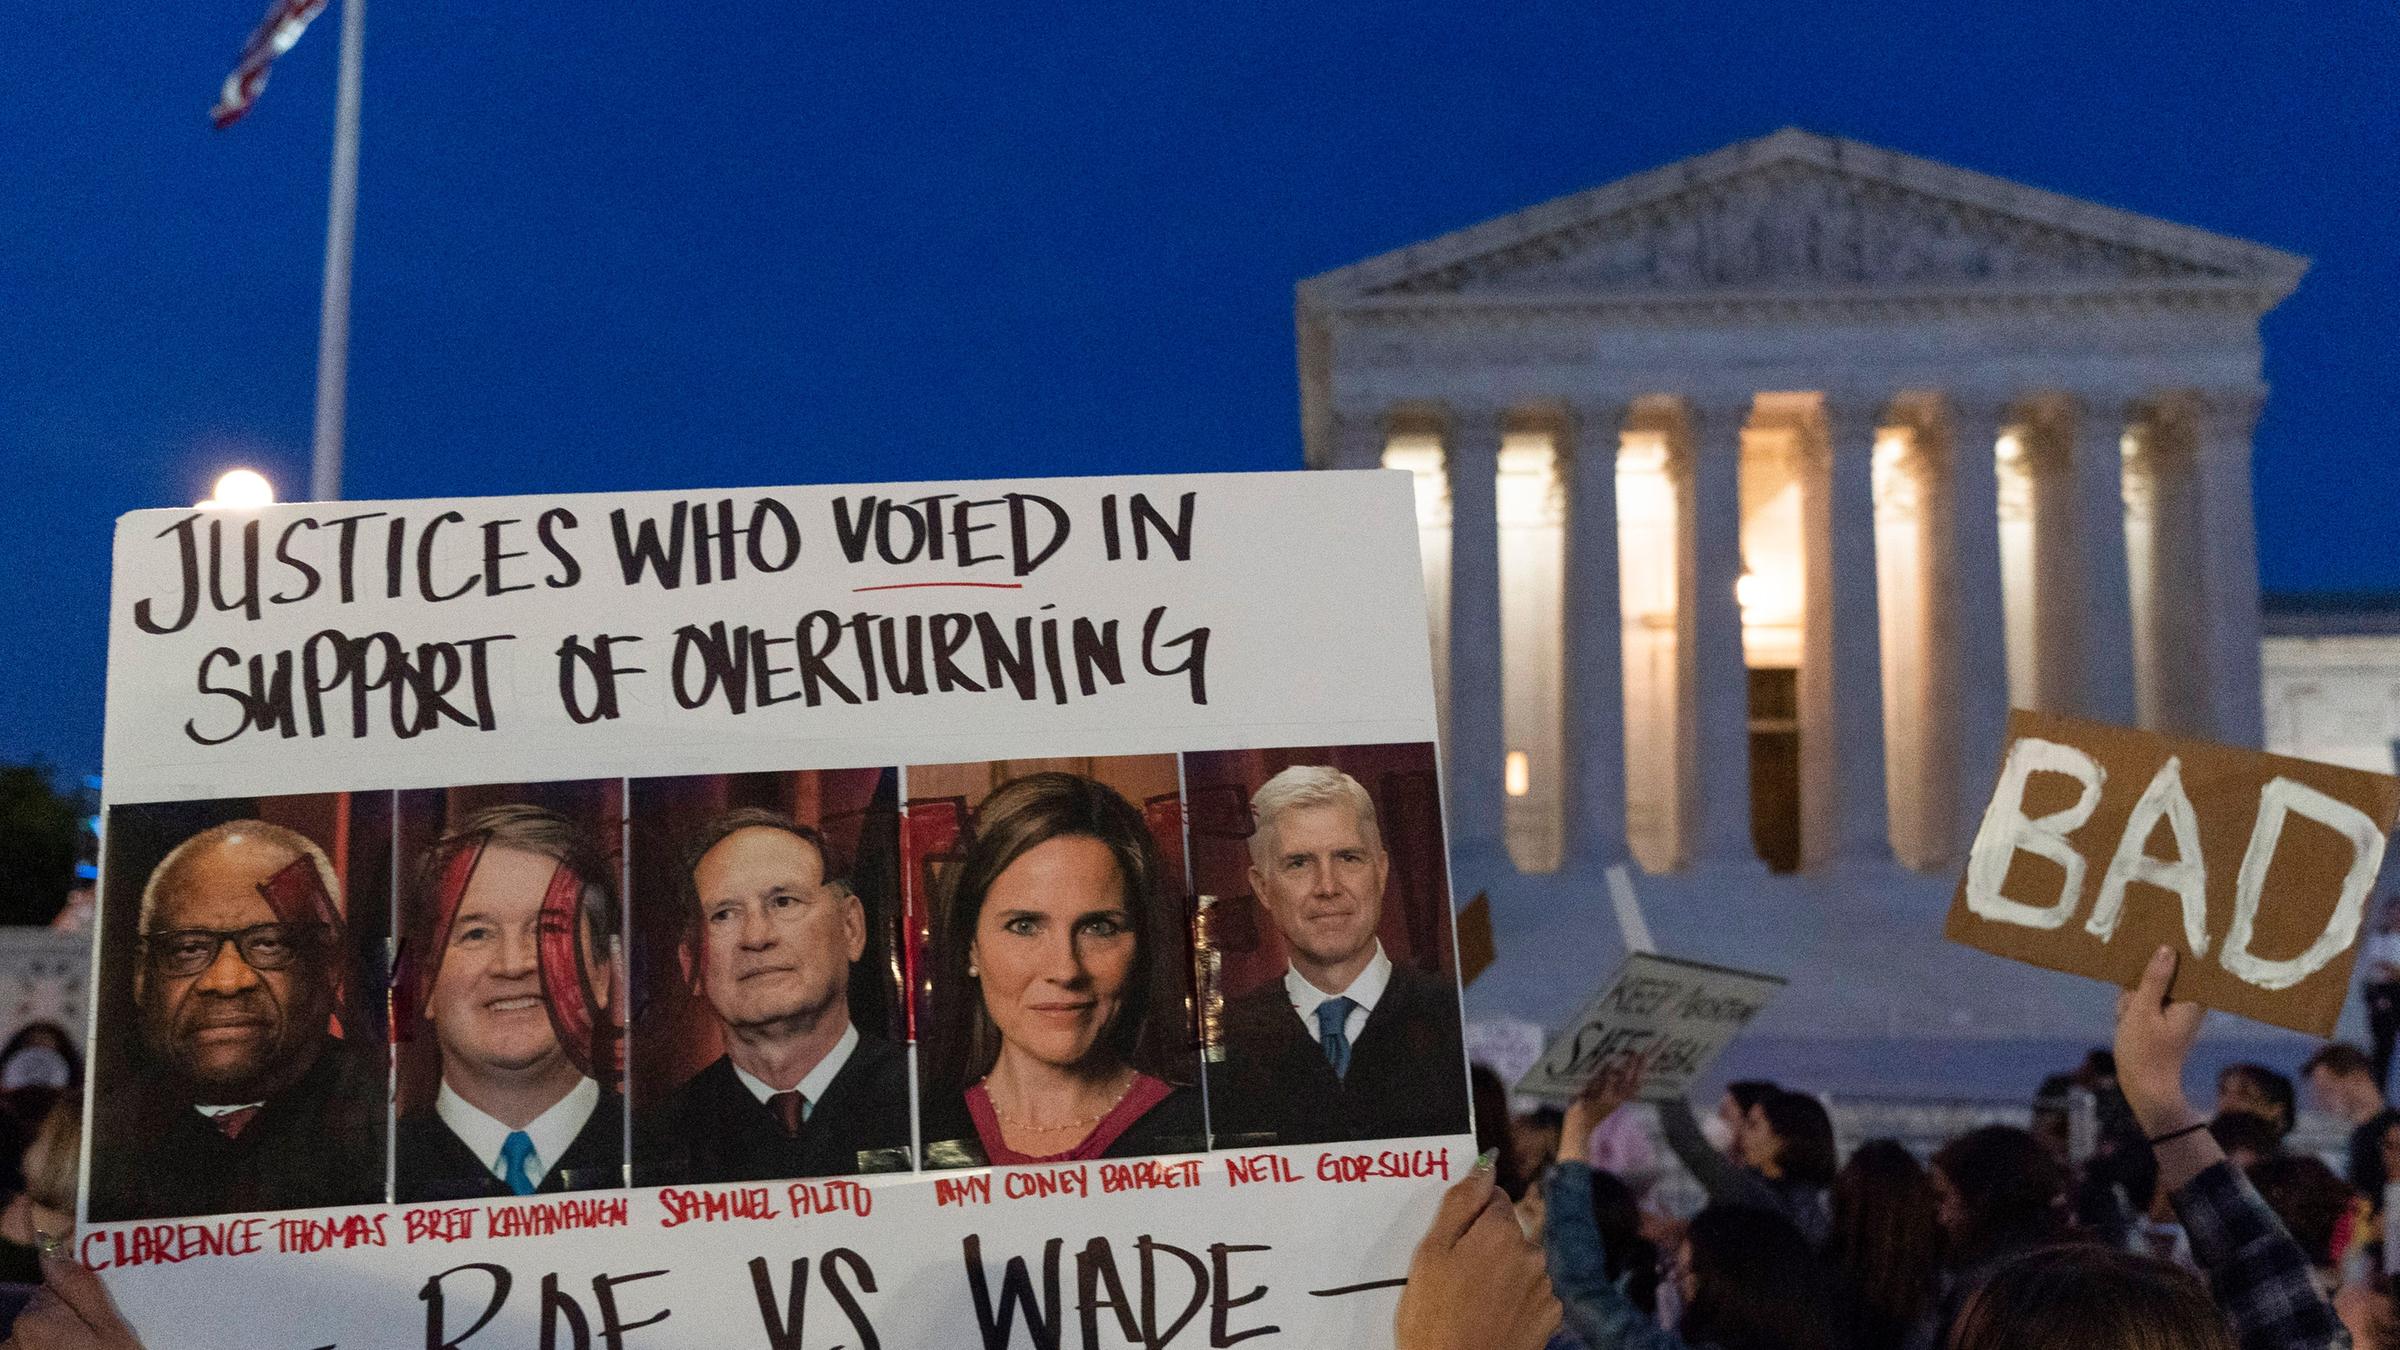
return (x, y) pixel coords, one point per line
(1055, 993)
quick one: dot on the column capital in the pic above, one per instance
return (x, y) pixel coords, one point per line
(1846, 406)
(1714, 407)
(1359, 439)
(1988, 406)
(2231, 409)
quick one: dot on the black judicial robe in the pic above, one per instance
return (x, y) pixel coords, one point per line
(1407, 1079)
(712, 1130)
(317, 1143)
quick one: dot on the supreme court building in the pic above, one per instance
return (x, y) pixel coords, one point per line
(1753, 491)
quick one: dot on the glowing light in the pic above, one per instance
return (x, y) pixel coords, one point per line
(240, 490)
(1517, 776)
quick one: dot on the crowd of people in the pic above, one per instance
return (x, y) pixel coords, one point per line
(2149, 1223)
(2166, 1227)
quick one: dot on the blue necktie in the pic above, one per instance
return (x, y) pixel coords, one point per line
(514, 1154)
(1332, 1014)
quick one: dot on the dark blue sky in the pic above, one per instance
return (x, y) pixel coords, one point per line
(650, 245)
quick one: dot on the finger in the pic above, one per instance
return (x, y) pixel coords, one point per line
(82, 1291)
(1461, 1206)
(2156, 976)
(2183, 1019)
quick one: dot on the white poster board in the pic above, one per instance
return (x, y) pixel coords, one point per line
(1682, 1013)
(368, 675)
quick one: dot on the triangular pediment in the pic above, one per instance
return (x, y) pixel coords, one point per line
(1796, 212)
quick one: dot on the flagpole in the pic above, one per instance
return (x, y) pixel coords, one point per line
(341, 219)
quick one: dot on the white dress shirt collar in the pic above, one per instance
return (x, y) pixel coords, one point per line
(1365, 991)
(813, 1083)
(552, 1132)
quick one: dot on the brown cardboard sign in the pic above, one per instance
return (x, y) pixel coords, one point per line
(1476, 950)
(2100, 844)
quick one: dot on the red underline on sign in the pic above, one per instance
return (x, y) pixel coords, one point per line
(924, 585)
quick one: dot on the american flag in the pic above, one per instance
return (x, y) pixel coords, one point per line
(285, 21)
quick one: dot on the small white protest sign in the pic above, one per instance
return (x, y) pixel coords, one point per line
(1681, 1013)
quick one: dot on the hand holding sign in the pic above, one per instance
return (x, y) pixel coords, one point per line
(1476, 1282)
(2100, 843)
(72, 1311)
(1618, 1083)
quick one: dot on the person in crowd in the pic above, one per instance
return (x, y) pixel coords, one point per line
(2260, 1091)
(2314, 1205)
(1056, 1030)
(769, 941)
(2091, 1297)
(41, 1054)
(522, 1107)
(1349, 1044)
(2001, 1193)
(2260, 1277)
(45, 1209)
(1783, 1158)
(2342, 1079)
(1887, 1247)
(242, 1099)
(2379, 955)
(1535, 1134)
(1723, 1126)
(2247, 1138)
(1494, 1132)
(1744, 1276)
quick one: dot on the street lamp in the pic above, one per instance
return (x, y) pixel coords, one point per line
(240, 489)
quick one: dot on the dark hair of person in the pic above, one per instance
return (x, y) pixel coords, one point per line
(528, 829)
(1757, 1286)
(2308, 1197)
(1806, 1132)
(2269, 1084)
(2339, 1058)
(1749, 1092)
(2012, 1188)
(1886, 1243)
(2246, 1130)
(1510, 1173)
(1631, 1260)
(2088, 1296)
(1150, 1029)
(716, 831)
(2371, 1177)
(49, 1034)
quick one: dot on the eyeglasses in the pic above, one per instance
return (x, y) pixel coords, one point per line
(264, 946)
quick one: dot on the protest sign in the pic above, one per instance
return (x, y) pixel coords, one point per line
(650, 919)
(1680, 1013)
(2101, 844)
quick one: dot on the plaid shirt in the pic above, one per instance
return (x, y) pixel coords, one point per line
(2260, 1277)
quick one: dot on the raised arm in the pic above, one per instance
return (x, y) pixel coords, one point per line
(1596, 1310)
(2260, 1277)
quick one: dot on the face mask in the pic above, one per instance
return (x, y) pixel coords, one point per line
(34, 1066)
(1719, 1133)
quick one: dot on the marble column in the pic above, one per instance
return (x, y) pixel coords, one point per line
(1359, 440)
(2106, 597)
(2229, 553)
(2046, 449)
(1968, 623)
(1594, 611)
(1844, 815)
(1475, 753)
(1713, 710)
